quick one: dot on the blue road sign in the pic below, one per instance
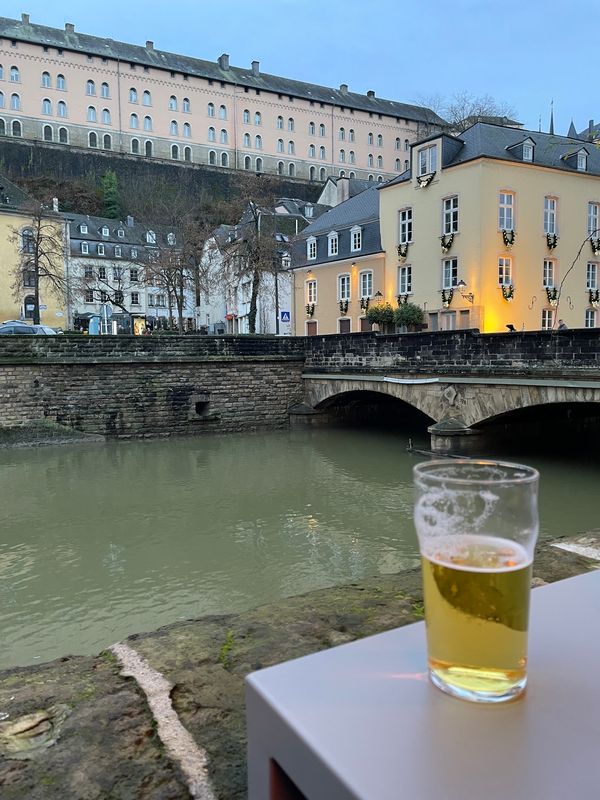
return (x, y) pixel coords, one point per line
(285, 316)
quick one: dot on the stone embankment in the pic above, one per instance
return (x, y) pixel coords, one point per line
(161, 716)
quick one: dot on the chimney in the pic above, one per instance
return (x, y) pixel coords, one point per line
(129, 222)
(25, 19)
(55, 204)
(223, 61)
(591, 129)
(255, 68)
(149, 45)
(69, 27)
(344, 88)
(371, 93)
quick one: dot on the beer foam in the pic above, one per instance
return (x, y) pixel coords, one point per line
(491, 553)
(441, 511)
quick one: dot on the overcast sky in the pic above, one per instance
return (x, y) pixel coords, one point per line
(524, 54)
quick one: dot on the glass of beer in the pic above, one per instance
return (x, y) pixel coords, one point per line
(477, 524)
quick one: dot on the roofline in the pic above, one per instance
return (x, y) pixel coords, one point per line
(346, 226)
(352, 259)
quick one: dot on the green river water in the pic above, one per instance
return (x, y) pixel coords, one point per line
(101, 541)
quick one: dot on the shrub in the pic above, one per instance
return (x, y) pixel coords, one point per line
(381, 314)
(409, 315)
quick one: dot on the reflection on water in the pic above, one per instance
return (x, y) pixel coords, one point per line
(106, 540)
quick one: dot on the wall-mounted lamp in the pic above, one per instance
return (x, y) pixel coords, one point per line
(309, 272)
(462, 288)
(378, 297)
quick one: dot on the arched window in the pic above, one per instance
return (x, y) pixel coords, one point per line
(352, 175)
(134, 121)
(63, 136)
(147, 123)
(186, 105)
(210, 109)
(342, 173)
(212, 158)
(133, 98)
(62, 108)
(223, 138)
(312, 151)
(187, 130)
(46, 106)
(322, 174)
(280, 166)
(321, 130)
(279, 123)
(147, 98)
(342, 134)
(280, 146)
(291, 170)
(222, 112)
(379, 140)
(247, 162)
(406, 164)
(370, 138)
(187, 153)
(174, 128)
(291, 124)
(224, 160)
(48, 133)
(175, 152)
(46, 80)
(397, 165)
(149, 148)
(342, 156)
(1, 72)
(370, 178)
(93, 139)
(212, 137)
(90, 88)
(380, 179)
(247, 140)
(135, 147)
(312, 129)
(107, 141)
(104, 90)
(370, 160)
(380, 162)
(91, 114)
(258, 118)
(322, 153)
(291, 148)
(406, 144)
(1, 99)
(15, 102)
(312, 173)
(106, 116)
(351, 135)
(17, 130)
(259, 165)
(398, 143)
(173, 103)
(246, 116)
(14, 75)
(258, 142)
(351, 157)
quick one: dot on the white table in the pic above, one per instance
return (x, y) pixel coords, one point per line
(362, 720)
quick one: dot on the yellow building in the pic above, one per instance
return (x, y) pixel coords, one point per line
(15, 223)
(485, 230)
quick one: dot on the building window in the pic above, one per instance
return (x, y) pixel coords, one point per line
(223, 138)
(224, 160)
(333, 245)
(379, 140)
(258, 118)
(135, 147)
(380, 166)
(90, 88)
(322, 154)
(450, 215)
(186, 105)
(365, 283)
(1, 99)
(93, 139)
(405, 228)
(100, 249)
(222, 112)
(212, 136)
(258, 142)
(290, 124)
(355, 239)
(370, 138)
(449, 273)
(91, 114)
(60, 82)
(210, 110)
(311, 292)
(550, 215)
(16, 128)
(591, 280)
(351, 136)
(247, 140)
(118, 251)
(312, 128)
(427, 160)
(342, 156)
(344, 287)
(547, 319)
(135, 298)
(311, 248)
(120, 233)
(398, 143)
(175, 152)
(291, 148)
(593, 219)
(406, 144)
(527, 152)
(506, 203)
(548, 276)
(85, 248)
(342, 134)
(321, 130)
(46, 80)
(14, 75)
(107, 141)
(406, 165)
(106, 117)
(259, 165)
(63, 136)
(133, 121)
(62, 108)
(46, 106)
(312, 151)
(89, 295)
(174, 129)
(147, 123)
(405, 280)
(173, 105)
(582, 162)
(590, 318)
(370, 161)
(397, 165)
(504, 271)
(212, 158)
(187, 130)
(147, 98)
(15, 102)
(104, 90)
(27, 241)
(133, 95)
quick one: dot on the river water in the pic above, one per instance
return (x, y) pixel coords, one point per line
(101, 541)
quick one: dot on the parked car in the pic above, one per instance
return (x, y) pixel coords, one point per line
(43, 330)
(17, 328)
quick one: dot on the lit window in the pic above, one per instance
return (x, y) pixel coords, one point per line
(506, 203)
(405, 279)
(427, 160)
(311, 292)
(333, 246)
(366, 285)
(450, 215)
(344, 287)
(548, 276)
(405, 227)
(550, 215)
(504, 271)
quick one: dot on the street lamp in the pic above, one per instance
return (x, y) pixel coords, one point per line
(462, 288)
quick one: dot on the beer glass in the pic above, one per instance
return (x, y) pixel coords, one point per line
(477, 524)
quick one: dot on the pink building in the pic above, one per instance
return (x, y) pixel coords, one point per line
(82, 91)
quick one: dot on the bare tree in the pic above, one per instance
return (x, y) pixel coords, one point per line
(463, 109)
(110, 284)
(41, 262)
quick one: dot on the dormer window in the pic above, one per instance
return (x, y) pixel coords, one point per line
(355, 239)
(582, 161)
(170, 238)
(427, 160)
(83, 228)
(308, 211)
(527, 152)
(120, 233)
(104, 231)
(311, 248)
(332, 244)
(150, 237)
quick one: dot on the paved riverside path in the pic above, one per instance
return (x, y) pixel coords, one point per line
(82, 728)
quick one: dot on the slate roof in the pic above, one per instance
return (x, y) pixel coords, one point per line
(361, 208)
(11, 196)
(149, 56)
(494, 141)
